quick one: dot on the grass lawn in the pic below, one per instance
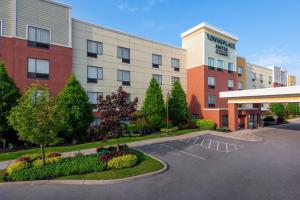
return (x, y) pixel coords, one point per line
(146, 165)
(17, 154)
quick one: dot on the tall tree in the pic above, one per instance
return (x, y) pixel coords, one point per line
(9, 94)
(115, 109)
(177, 104)
(76, 110)
(278, 109)
(292, 109)
(153, 106)
(36, 118)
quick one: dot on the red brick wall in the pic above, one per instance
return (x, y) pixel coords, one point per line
(15, 52)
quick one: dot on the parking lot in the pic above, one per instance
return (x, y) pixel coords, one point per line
(204, 167)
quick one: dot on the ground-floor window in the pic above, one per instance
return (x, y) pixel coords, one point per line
(225, 121)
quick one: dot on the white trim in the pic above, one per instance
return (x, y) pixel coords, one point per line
(59, 3)
(206, 25)
(215, 109)
(1, 27)
(127, 34)
(263, 101)
(278, 91)
(14, 33)
(70, 28)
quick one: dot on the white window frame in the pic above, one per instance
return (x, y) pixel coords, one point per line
(98, 49)
(174, 62)
(240, 85)
(97, 93)
(253, 75)
(38, 27)
(120, 54)
(124, 82)
(230, 83)
(98, 68)
(159, 63)
(221, 61)
(230, 64)
(159, 78)
(240, 70)
(35, 70)
(208, 63)
(211, 81)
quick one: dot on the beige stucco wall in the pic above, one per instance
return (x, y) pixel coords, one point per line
(199, 48)
(265, 72)
(140, 66)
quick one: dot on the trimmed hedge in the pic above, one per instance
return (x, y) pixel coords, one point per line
(124, 161)
(64, 167)
(205, 124)
(17, 166)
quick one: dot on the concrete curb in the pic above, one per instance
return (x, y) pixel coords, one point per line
(91, 182)
(237, 138)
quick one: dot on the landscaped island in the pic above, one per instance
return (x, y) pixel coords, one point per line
(107, 163)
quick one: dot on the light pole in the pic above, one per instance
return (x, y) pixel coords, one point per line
(167, 109)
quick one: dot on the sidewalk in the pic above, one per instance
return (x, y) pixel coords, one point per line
(239, 135)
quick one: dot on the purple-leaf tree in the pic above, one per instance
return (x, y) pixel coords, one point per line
(114, 110)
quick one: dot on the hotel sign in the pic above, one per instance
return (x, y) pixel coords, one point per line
(221, 44)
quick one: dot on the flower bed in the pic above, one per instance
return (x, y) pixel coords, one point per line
(30, 167)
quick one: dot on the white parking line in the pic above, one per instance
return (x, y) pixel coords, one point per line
(195, 156)
(196, 140)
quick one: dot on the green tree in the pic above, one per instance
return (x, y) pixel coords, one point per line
(153, 106)
(292, 109)
(278, 109)
(76, 110)
(9, 94)
(36, 118)
(177, 104)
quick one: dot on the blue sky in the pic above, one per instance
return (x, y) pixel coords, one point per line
(268, 30)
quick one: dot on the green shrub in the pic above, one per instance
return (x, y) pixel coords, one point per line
(39, 162)
(269, 119)
(17, 166)
(173, 129)
(223, 129)
(124, 161)
(66, 167)
(205, 124)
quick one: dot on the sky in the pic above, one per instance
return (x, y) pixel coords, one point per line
(268, 30)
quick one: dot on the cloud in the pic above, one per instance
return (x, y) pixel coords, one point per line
(148, 5)
(126, 7)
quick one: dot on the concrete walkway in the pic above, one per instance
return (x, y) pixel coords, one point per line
(244, 135)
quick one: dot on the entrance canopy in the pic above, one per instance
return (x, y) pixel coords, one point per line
(265, 95)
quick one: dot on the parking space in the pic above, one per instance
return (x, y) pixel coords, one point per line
(201, 148)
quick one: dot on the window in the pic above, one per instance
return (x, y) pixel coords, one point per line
(94, 98)
(156, 60)
(158, 78)
(240, 85)
(124, 54)
(211, 82)
(124, 77)
(230, 85)
(230, 67)
(261, 78)
(38, 93)
(211, 101)
(94, 74)
(38, 68)
(38, 37)
(220, 65)
(174, 79)
(211, 63)
(240, 71)
(225, 121)
(253, 76)
(270, 79)
(175, 63)
(1, 27)
(94, 49)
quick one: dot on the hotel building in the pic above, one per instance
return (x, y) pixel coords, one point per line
(40, 41)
